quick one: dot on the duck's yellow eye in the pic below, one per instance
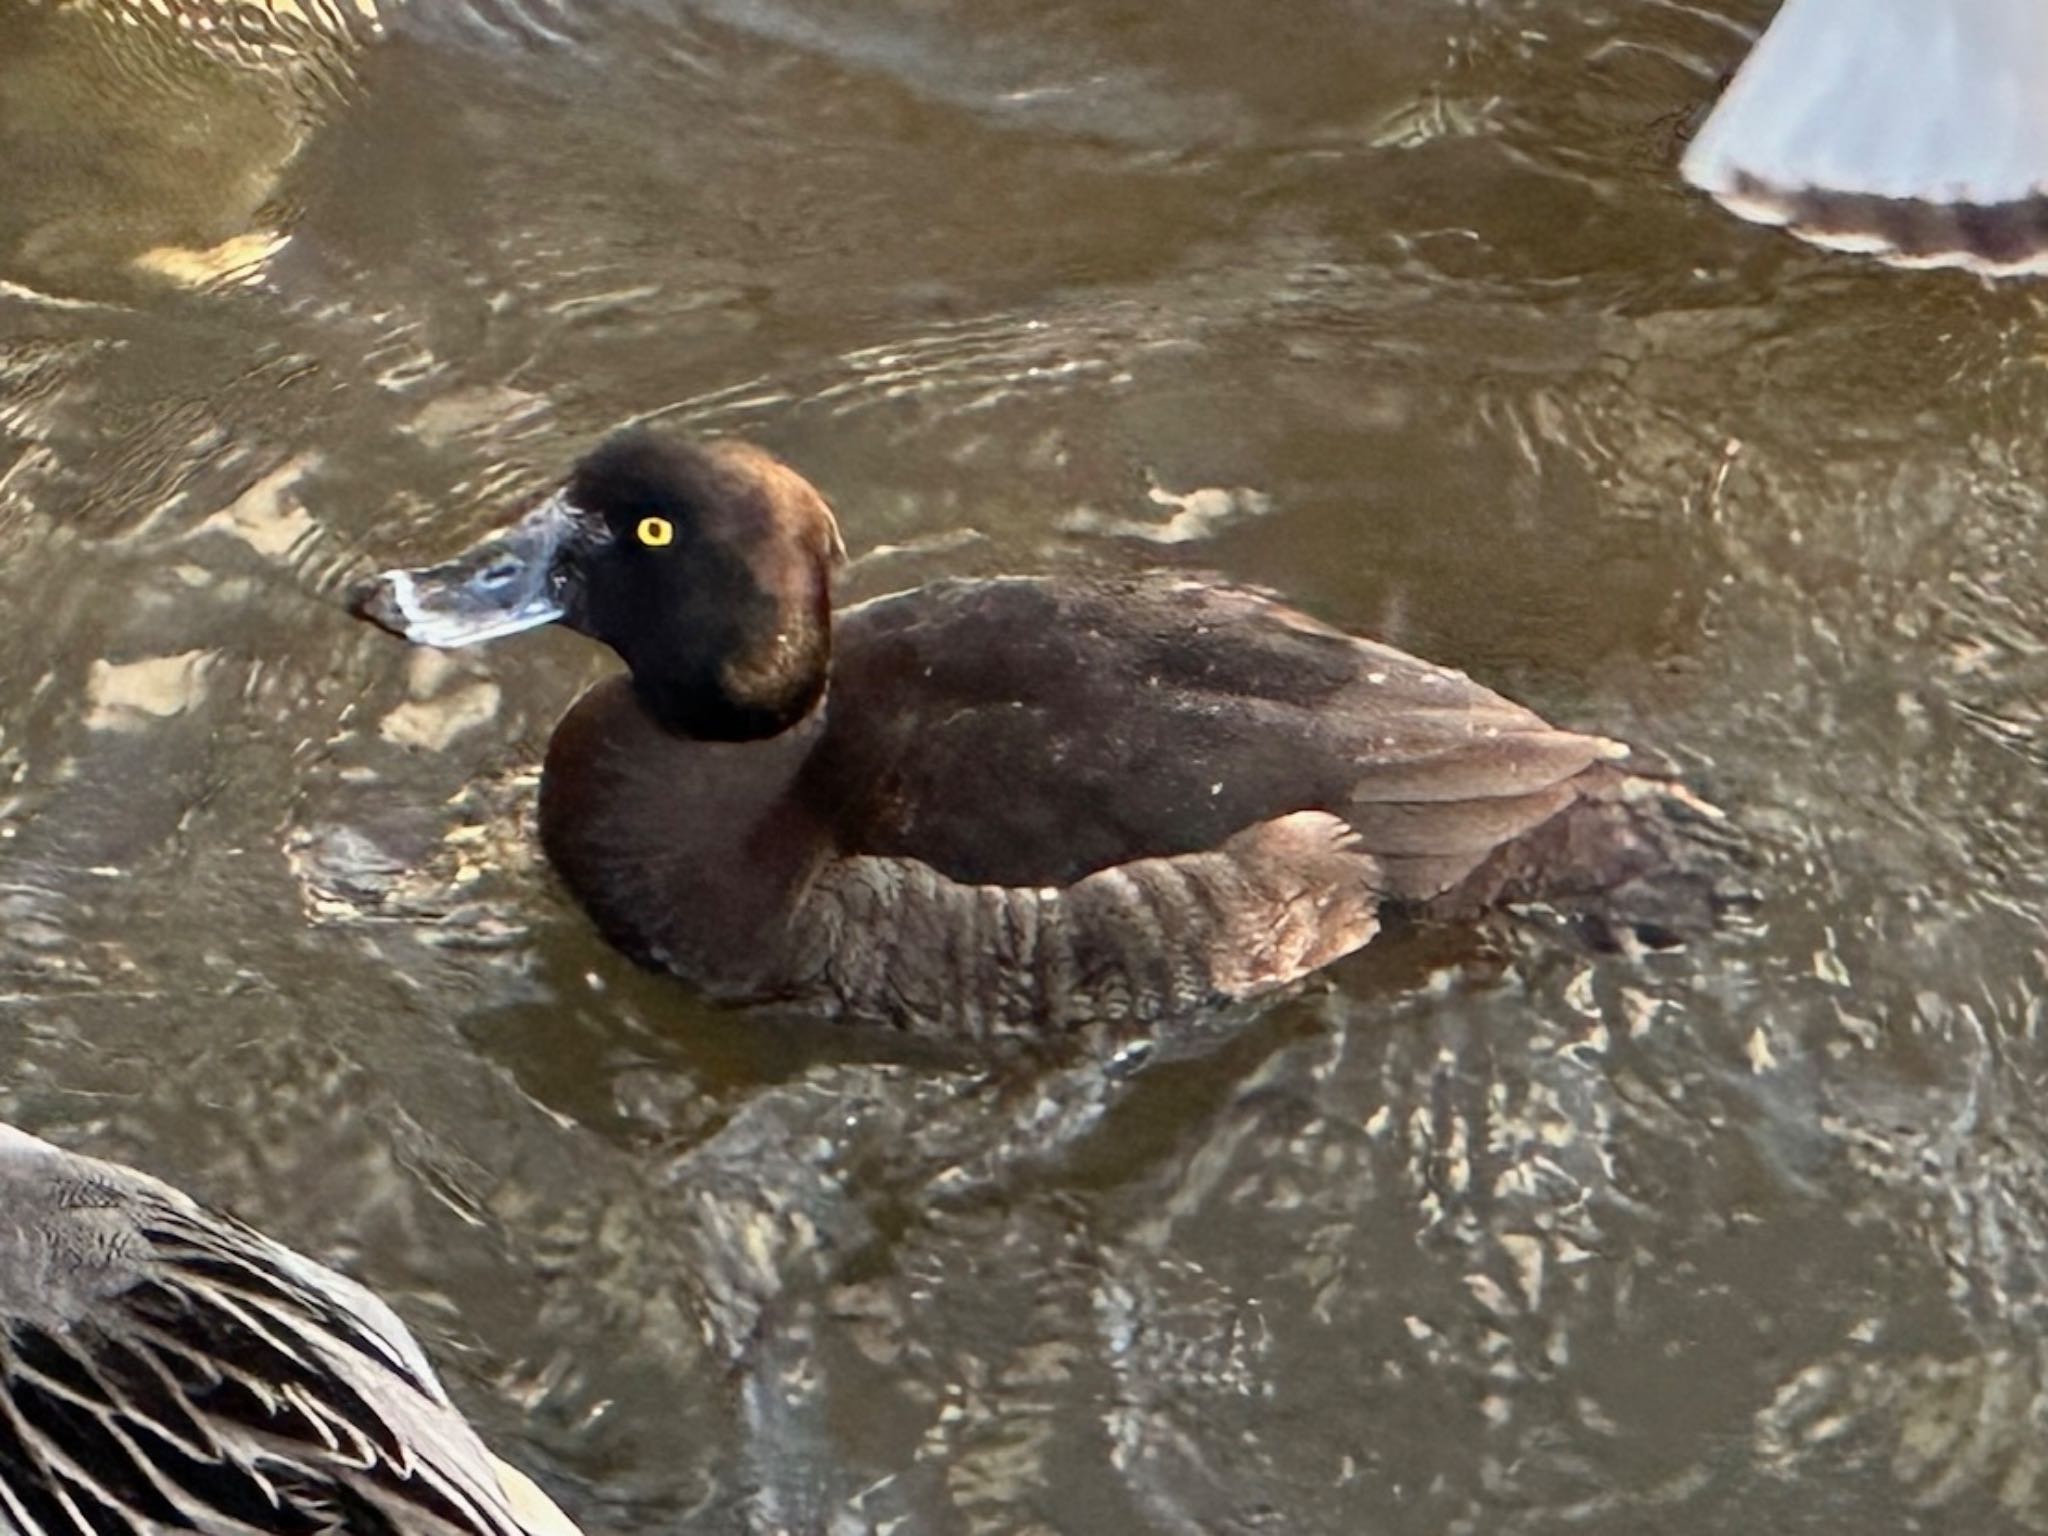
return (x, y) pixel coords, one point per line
(656, 532)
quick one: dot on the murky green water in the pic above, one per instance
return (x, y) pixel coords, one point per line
(1488, 1235)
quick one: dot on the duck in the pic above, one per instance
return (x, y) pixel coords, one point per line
(1003, 807)
(1910, 131)
(165, 1367)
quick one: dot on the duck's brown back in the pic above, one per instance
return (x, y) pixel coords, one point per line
(1028, 731)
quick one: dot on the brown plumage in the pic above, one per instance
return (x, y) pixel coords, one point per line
(1024, 803)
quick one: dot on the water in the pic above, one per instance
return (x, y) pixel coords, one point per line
(1395, 307)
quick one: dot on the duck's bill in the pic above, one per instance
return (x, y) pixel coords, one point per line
(513, 580)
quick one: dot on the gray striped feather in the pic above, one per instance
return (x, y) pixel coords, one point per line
(164, 1367)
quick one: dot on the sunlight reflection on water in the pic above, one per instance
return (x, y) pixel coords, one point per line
(1486, 1235)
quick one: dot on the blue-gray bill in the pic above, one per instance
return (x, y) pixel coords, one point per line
(511, 581)
(164, 1367)
(1915, 131)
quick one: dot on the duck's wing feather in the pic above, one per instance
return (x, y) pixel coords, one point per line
(1916, 130)
(165, 1367)
(1028, 732)
(1140, 945)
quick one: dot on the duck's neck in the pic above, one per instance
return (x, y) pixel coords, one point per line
(684, 852)
(744, 675)
(706, 708)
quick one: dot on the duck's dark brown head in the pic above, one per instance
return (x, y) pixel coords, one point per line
(706, 566)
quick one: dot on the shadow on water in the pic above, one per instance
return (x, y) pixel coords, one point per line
(1393, 307)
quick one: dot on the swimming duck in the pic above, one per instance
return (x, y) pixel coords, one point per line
(1915, 130)
(165, 1368)
(1023, 803)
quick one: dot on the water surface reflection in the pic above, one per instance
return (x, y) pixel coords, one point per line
(1485, 1235)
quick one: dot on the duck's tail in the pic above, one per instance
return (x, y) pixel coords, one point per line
(1635, 856)
(1914, 130)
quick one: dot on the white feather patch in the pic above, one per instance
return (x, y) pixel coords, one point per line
(1939, 102)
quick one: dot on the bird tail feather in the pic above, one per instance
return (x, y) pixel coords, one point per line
(1915, 130)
